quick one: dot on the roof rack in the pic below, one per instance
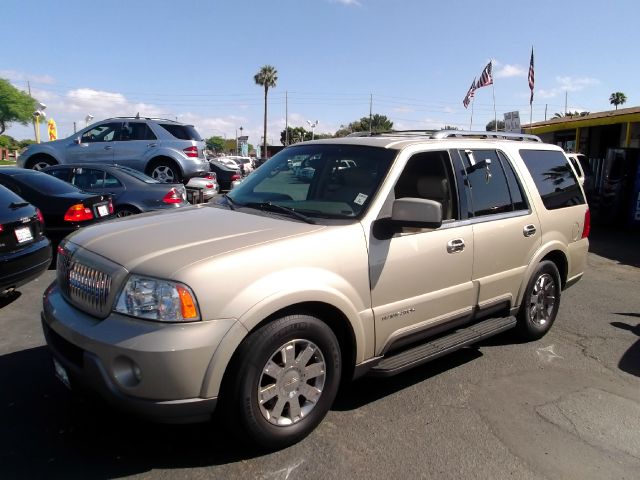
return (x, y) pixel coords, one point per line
(440, 134)
(146, 118)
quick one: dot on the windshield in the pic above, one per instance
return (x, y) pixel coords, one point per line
(319, 180)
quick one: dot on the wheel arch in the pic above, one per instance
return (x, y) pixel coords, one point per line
(218, 375)
(162, 158)
(41, 155)
(555, 253)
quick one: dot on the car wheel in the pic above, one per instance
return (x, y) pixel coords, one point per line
(540, 303)
(126, 211)
(39, 162)
(286, 378)
(165, 171)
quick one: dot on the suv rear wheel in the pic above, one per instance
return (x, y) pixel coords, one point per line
(165, 171)
(540, 303)
(38, 162)
(286, 379)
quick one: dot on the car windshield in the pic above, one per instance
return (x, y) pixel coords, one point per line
(319, 180)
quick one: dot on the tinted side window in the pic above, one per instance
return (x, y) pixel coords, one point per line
(515, 189)
(102, 133)
(136, 131)
(554, 178)
(487, 183)
(61, 173)
(183, 132)
(111, 182)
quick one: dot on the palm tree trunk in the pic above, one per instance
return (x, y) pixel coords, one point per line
(264, 139)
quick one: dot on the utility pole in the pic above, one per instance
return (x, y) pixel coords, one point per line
(286, 118)
(35, 131)
(565, 103)
(370, 113)
(545, 111)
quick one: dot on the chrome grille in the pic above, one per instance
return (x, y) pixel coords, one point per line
(84, 286)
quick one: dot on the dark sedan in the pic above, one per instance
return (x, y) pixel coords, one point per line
(65, 208)
(24, 250)
(226, 175)
(132, 191)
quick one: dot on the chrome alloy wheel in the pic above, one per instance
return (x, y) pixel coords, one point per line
(291, 382)
(542, 300)
(163, 173)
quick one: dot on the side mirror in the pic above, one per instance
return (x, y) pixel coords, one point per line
(409, 212)
(77, 141)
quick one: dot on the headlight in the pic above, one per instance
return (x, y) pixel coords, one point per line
(154, 299)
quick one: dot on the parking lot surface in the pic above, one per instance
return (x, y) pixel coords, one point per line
(566, 406)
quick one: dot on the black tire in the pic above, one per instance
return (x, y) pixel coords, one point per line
(277, 423)
(165, 171)
(540, 302)
(38, 162)
(126, 211)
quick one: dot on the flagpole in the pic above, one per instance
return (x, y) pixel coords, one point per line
(471, 122)
(495, 115)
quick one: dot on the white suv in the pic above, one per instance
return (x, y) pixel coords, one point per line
(163, 149)
(399, 248)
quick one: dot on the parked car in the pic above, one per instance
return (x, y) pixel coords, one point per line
(583, 169)
(65, 208)
(244, 163)
(166, 150)
(24, 250)
(132, 191)
(262, 301)
(203, 189)
(225, 175)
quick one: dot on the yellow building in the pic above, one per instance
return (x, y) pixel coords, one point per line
(592, 134)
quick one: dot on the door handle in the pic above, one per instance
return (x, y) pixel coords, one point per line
(455, 246)
(108, 147)
(151, 145)
(529, 230)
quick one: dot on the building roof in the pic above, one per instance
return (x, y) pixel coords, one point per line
(622, 115)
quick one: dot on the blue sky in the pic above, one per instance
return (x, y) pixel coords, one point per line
(195, 60)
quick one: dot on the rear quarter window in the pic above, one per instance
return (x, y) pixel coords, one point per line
(554, 178)
(183, 132)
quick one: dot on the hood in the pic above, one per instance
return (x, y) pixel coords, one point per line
(164, 242)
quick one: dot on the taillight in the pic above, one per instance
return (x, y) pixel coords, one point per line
(40, 216)
(1, 227)
(235, 177)
(587, 224)
(111, 209)
(78, 213)
(172, 197)
(210, 176)
(191, 151)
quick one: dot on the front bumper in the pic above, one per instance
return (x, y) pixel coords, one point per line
(146, 368)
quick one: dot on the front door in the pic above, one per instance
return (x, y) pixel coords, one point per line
(97, 145)
(422, 277)
(136, 145)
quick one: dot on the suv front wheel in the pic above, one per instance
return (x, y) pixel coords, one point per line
(164, 171)
(287, 377)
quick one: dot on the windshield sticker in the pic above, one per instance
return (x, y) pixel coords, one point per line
(360, 199)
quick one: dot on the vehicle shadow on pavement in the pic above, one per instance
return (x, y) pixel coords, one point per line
(630, 360)
(366, 390)
(615, 243)
(9, 298)
(47, 432)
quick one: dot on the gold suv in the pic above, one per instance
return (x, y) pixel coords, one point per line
(393, 249)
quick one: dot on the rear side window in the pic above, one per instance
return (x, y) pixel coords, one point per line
(554, 178)
(183, 132)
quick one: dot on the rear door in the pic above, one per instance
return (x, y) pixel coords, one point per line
(136, 145)
(506, 230)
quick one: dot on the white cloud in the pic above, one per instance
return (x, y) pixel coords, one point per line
(354, 3)
(507, 71)
(567, 84)
(15, 76)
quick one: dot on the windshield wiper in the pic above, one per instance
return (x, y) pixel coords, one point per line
(274, 207)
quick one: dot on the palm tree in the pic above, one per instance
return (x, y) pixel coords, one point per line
(266, 77)
(617, 98)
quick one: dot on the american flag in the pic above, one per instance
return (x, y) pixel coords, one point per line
(531, 77)
(485, 79)
(470, 94)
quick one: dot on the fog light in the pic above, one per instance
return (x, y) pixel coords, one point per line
(127, 372)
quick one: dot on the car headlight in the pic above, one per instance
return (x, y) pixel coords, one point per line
(155, 299)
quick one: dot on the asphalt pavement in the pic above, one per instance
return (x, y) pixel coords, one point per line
(566, 406)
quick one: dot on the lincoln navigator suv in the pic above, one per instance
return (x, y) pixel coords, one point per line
(168, 151)
(397, 248)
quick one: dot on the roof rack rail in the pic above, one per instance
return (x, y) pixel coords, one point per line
(440, 134)
(146, 118)
(523, 137)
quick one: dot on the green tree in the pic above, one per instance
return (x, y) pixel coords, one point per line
(215, 143)
(491, 126)
(616, 98)
(379, 123)
(296, 134)
(449, 127)
(267, 77)
(15, 106)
